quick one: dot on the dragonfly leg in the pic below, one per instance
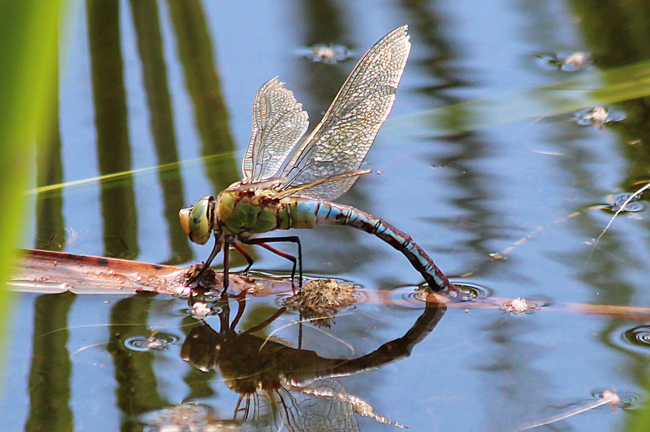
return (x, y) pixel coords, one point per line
(226, 266)
(245, 254)
(294, 239)
(213, 254)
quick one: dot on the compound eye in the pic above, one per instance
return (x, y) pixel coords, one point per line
(197, 221)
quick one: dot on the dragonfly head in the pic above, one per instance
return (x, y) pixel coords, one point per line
(198, 221)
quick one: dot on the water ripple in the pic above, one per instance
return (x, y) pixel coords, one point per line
(411, 297)
(158, 341)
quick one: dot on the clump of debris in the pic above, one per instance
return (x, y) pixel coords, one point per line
(320, 300)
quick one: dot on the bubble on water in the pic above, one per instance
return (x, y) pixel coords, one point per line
(158, 341)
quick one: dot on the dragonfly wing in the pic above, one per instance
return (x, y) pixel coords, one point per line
(323, 187)
(306, 409)
(278, 123)
(350, 125)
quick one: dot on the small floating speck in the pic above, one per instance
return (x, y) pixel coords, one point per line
(498, 256)
(200, 310)
(574, 62)
(329, 54)
(598, 117)
(623, 400)
(156, 341)
(621, 203)
(520, 306)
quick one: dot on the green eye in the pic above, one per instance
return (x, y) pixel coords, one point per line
(197, 221)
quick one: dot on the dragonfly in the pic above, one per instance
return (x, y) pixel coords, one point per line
(283, 189)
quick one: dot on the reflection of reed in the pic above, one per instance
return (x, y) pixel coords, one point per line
(135, 377)
(465, 149)
(616, 33)
(202, 81)
(49, 378)
(147, 26)
(617, 36)
(196, 55)
(113, 148)
(50, 231)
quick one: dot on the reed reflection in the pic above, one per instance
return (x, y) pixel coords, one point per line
(154, 74)
(119, 215)
(51, 368)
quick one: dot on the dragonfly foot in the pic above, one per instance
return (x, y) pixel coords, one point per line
(199, 276)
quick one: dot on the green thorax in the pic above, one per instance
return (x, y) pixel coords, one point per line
(245, 212)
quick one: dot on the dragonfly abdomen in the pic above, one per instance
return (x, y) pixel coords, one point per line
(323, 212)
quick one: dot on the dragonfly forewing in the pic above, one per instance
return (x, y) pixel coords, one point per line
(278, 123)
(343, 138)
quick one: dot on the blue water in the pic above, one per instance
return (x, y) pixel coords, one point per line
(462, 193)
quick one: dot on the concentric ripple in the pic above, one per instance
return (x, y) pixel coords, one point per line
(639, 337)
(158, 342)
(634, 339)
(631, 207)
(411, 297)
(628, 400)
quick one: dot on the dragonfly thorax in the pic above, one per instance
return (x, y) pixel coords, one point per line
(243, 212)
(274, 184)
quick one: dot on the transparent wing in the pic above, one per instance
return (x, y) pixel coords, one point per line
(323, 186)
(305, 412)
(335, 392)
(264, 415)
(342, 139)
(278, 123)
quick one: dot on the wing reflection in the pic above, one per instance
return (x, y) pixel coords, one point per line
(281, 386)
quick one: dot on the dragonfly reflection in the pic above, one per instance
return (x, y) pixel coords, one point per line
(283, 189)
(294, 386)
